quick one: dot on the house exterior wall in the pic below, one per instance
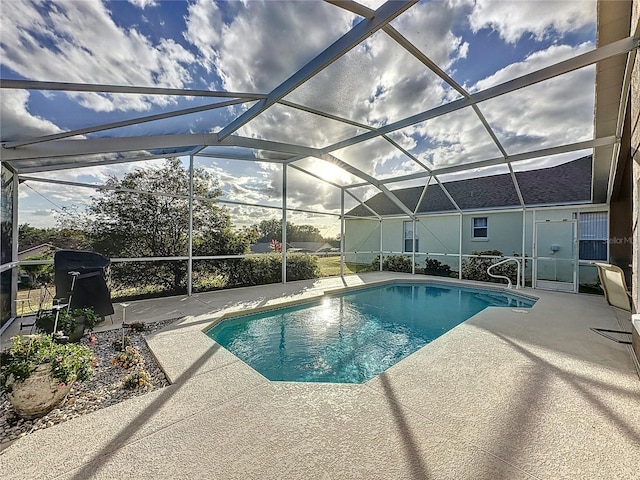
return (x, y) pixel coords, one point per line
(393, 234)
(635, 152)
(504, 233)
(439, 237)
(439, 234)
(361, 236)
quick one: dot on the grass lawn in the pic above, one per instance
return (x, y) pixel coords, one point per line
(330, 267)
(29, 300)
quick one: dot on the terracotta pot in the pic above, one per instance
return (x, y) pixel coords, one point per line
(37, 395)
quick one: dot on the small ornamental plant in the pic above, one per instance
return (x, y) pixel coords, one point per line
(138, 327)
(118, 344)
(69, 362)
(67, 321)
(127, 359)
(137, 379)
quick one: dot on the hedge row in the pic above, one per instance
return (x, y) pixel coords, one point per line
(153, 279)
(260, 270)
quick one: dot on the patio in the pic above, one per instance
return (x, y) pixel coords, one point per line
(503, 395)
(300, 113)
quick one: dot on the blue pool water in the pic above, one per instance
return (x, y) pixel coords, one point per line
(352, 337)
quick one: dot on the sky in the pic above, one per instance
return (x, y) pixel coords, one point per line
(253, 46)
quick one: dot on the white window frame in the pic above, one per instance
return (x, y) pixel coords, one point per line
(474, 228)
(415, 243)
(603, 237)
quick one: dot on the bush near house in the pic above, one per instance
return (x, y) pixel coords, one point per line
(393, 263)
(437, 268)
(476, 268)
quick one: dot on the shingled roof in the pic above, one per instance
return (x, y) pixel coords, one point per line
(568, 183)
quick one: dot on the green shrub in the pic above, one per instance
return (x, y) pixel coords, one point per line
(263, 269)
(302, 267)
(476, 268)
(435, 267)
(393, 263)
(38, 274)
(69, 362)
(230, 273)
(67, 321)
(205, 282)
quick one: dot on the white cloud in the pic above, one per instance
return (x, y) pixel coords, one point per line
(555, 112)
(534, 61)
(458, 137)
(142, 4)
(17, 121)
(41, 213)
(375, 83)
(80, 42)
(247, 46)
(254, 52)
(204, 30)
(512, 20)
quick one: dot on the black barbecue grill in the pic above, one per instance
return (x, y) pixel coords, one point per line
(81, 277)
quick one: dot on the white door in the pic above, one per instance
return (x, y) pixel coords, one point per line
(555, 256)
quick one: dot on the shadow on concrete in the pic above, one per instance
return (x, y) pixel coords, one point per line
(89, 469)
(419, 469)
(632, 432)
(527, 403)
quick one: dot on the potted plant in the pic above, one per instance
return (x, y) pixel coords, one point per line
(72, 323)
(37, 373)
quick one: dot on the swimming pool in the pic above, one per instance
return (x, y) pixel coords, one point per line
(353, 336)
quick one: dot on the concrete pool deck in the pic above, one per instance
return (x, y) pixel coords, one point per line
(506, 394)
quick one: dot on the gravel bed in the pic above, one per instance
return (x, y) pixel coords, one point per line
(103, 389)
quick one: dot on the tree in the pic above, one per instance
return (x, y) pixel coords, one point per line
(269, 230)
(61, 237)
(125, 224)
(272, 230)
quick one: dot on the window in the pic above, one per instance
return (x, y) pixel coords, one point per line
(593, 236)
(408, 237)
(480, 228)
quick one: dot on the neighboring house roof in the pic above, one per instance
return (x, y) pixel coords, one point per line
(563, 184)
(36, 251)
(261, 248)
(312, 247)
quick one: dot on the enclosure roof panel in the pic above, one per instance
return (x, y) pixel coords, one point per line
(386, 91)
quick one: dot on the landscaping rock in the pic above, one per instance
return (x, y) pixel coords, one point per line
(102, 390)
(37, 395)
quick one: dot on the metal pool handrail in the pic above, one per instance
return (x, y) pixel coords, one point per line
(509, 284)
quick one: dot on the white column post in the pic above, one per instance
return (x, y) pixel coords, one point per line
(534, 265)
(190, 247)
(284, 223)
(14, 245)
(413, 247)
(381, 256)
(342, 232)
(524, 233)
(460, 250)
